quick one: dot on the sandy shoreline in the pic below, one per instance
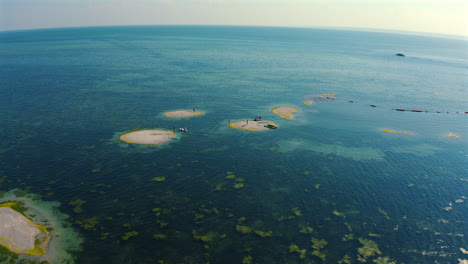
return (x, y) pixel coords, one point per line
(285, 112)
(183, 113)
(147, 136)
(19, 234)
(251, 125)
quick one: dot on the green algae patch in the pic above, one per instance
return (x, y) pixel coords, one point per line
(129, 235)
(347, 237)
(369, 248)
(243, 229)
(203, 238)
(318, 243)
(319, 254)
(77, 203)
(264, 233)
(384, 260)
(306, 230)
(247, 260)
(88, 223)
(238, 185)
(345, 260)
(158, 179)
(337, 213)
(296, 211)
(159, 236)
(293, 248)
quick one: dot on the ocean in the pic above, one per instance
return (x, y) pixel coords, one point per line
(343, 182)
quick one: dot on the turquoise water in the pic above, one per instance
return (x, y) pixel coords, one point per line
(332, 172)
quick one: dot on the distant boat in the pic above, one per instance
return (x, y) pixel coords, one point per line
(417, 111)
(400, 54)
(183, 129)
(270, 126)
(400, 109)
(373, 105)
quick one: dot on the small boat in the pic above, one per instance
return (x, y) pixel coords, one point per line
(183, 129)
(417, 111)
(373, 105)
(270, 126)
(400, 109)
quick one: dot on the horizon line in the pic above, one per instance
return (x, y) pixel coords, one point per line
(376, 30)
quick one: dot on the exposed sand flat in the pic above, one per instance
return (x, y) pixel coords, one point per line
(396, 132)
(183, 113)
(285, 112)
(18, 233)
(252, 125)
(147, 136)
(308, 102)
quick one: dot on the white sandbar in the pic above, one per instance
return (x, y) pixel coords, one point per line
(252, 125)
(147, 136)
(18, 233)
(285, 112)
(183, 113)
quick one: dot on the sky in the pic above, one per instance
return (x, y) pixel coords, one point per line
(428, 16)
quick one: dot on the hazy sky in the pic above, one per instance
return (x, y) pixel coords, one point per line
(435, 16)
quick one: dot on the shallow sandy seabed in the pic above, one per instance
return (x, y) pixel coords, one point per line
(308, 102)
(252, 125)
(147, 136)
(18, 233)
(285, 112)
(183, 113)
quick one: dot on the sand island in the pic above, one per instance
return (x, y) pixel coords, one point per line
(395, 132)
(33, 231)
(183, 113)
(254, 125)
(147, 136)
(19, 234)
(285, 112)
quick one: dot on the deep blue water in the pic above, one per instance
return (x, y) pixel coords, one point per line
(66, 95)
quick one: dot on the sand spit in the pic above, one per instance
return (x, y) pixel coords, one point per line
(183, 113)
(251, 125)
(147, 136)
(19, 234)
(285, 112)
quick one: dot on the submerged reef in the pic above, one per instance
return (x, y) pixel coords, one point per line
(35, 233)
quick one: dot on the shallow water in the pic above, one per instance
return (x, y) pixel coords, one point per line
(66, 95)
